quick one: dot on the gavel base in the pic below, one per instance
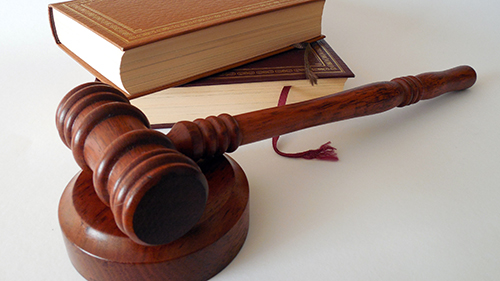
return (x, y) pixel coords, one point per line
(100, 251)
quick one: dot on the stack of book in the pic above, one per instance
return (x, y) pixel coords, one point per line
(186, 59)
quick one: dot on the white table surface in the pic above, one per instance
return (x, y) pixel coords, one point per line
(415, 196)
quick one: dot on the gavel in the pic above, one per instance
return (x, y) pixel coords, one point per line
(151, 181)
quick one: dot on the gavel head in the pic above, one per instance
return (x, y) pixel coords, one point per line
(156, 194)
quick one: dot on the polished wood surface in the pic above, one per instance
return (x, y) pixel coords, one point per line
(362, 101)
(100, 251)
(157, 194)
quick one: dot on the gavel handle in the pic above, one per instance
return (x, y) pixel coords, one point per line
(362, 101)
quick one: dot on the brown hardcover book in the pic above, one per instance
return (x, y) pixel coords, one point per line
(253, 86)
(145, 46)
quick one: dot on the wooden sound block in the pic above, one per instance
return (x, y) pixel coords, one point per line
(100, 251)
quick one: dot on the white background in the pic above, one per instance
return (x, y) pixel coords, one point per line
(415, 196)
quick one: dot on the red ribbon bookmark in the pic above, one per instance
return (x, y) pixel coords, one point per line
(325, 152)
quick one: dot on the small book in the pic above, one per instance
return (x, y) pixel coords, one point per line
(250, 87)
(145, 46)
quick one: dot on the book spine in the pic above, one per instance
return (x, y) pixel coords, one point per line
(53, 25)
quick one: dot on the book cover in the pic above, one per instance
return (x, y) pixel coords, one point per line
(129, 23)
(286, 66)
(143, 47)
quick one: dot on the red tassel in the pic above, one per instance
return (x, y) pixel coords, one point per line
(325, 152)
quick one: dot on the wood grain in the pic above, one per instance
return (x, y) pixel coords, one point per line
(155, 193)
(100, 251)
(362, 101)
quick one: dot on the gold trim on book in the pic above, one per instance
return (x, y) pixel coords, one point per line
(327, 58)
(130, 34)
(325, 63)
